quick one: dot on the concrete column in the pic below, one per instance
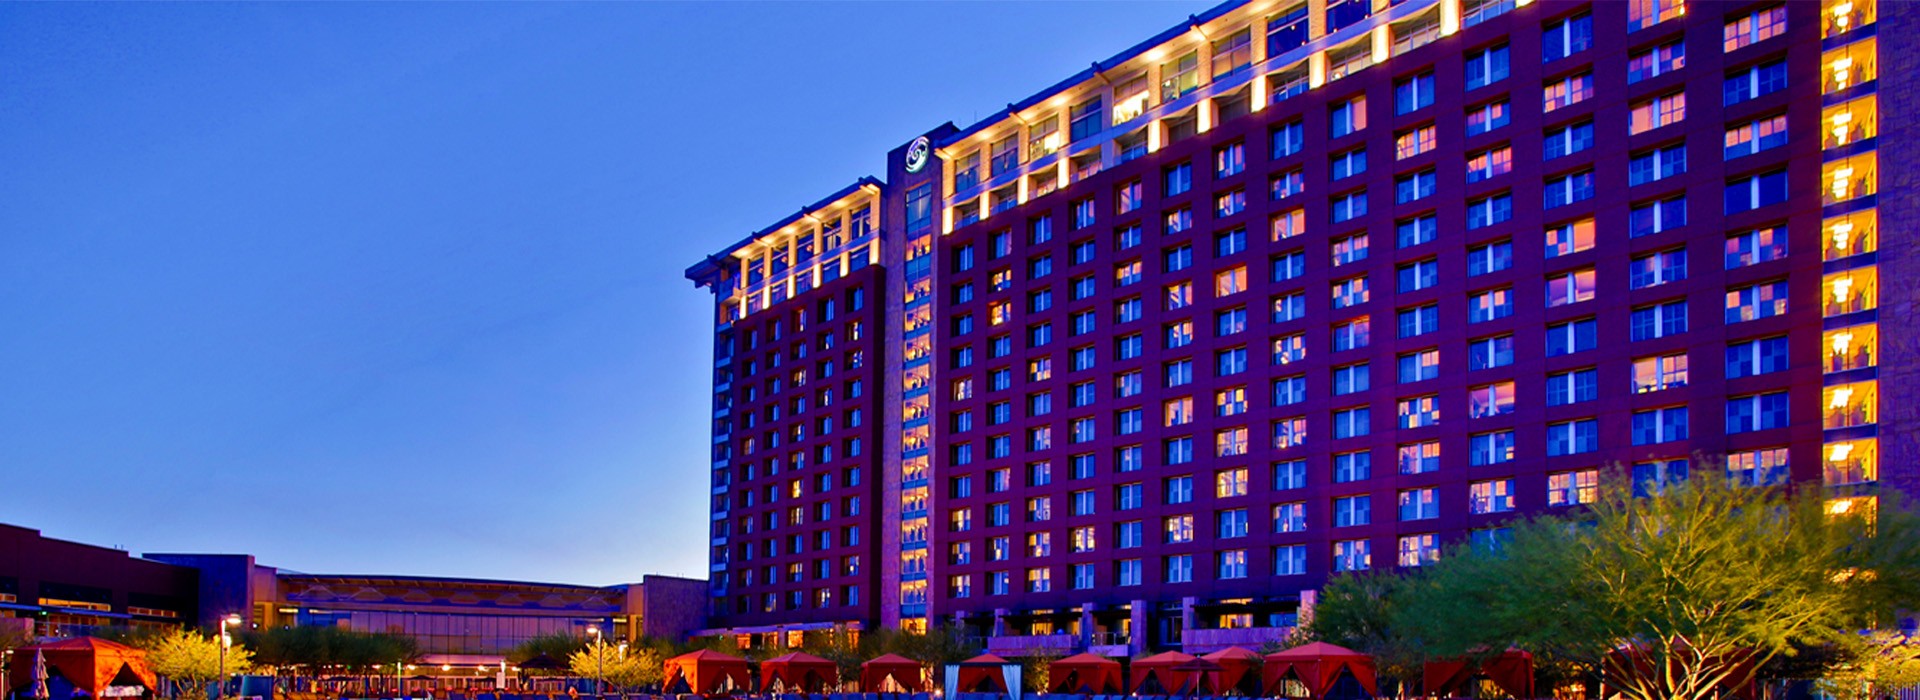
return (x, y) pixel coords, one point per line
(1153, 85)
(792, 246)
(1205, 66)
(1307, 600)
(1086, 623)
(1187, 618)
(1257, 28)
(1257, 97)
(1105, 91)
(999, 622)
(1137, 643)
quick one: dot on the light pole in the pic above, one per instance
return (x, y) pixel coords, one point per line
(599, 659)
(623, 659)
(226, 641)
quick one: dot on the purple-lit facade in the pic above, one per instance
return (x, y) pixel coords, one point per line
(797, 419)
(1300, 288)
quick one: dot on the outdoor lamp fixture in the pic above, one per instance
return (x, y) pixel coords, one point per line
(600, 659)
(226, 640)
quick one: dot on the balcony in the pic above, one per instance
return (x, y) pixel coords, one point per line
(1850, 123)
(1851, 292)
(1203, 641)
(1848, 68)
(1843, 16)
(1851, 179)
(1851, 405)
(1855, 234)
(1848, 349)
(1849, 472)
(1058, 643)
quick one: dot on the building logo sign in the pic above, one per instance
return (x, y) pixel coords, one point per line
(917, 154)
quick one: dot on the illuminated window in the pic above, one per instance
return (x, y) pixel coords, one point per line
(1573, 488)
(1850, 348)
(1568, 91)
(1851, 405)
(1658, 373)
(1490, 400)
(1415, 141)
(1487, 497)
(1851, 462)
(1569, 238)
(1352, 555)
(1850, 235)
(1754, 27)
(1657, 112)
(1646, 13)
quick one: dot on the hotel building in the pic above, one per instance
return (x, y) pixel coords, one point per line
(51, 588)
(1300, 288)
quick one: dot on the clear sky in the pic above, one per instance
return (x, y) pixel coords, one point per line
(397, 287)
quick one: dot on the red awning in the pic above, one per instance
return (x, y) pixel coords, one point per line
(983, 670)
(1085, 673)
(805, 672)
(1198, 676)
(705, 672)
(904, 671)
(1318, 666)
(90, 664)
(1235, 665)
(1174, 671)
(1512, 670)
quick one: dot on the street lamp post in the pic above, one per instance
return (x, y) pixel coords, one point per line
(225, 641)
(599, 660)
(622, 658)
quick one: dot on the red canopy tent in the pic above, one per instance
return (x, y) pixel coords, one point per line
(1085, 673)
(805, 672)
(88, 663)
(705, 670)
(904, 671)
(1634, 662)
(1236, 664)
(1512, 670)
(1174, 671)
(1200, 675)
(1318, 666)
(983, 670)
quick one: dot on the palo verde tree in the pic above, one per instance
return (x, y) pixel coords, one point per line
(192, 660)
(622, 667)
(1874, 666)
(1697, 584)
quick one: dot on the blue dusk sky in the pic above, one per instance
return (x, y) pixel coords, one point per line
(397, 287)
